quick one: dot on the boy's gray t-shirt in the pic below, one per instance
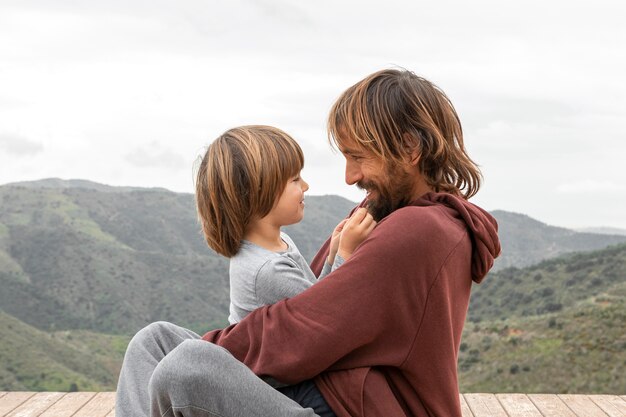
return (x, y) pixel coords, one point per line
(260, 277)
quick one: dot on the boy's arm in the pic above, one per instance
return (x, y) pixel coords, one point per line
(329, 248)
(355, 231)
(346, 237)
(281, 278)
(334, 245)
(328, 268)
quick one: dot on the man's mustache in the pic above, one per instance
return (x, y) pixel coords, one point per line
(364, 185)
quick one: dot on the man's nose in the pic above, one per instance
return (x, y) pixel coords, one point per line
(353, 173)
(305, 186)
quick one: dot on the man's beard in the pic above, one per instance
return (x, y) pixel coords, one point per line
(394, 194)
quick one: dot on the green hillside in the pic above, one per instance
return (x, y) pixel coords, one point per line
(556, 327)
(549, 286)
(76, 258)
(579, 350)
(34, 360)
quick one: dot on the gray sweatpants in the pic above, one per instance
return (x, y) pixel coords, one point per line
(168, 371)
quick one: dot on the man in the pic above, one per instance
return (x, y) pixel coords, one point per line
(380, 335)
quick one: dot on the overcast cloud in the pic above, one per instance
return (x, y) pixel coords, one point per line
(16, 145)
(130, 92)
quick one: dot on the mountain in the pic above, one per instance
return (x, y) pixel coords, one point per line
(526, 241)
(80, 255)
(58, 183)
(77, 262)
(79, 258)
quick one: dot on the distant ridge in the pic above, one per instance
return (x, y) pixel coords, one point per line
(59, 183)
(526, 241)
(603, 230)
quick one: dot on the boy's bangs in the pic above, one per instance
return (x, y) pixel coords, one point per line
(289, 157)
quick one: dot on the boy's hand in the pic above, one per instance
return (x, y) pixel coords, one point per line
(354, 231)
(334, 241)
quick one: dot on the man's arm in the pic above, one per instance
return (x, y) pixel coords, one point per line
(344, 321)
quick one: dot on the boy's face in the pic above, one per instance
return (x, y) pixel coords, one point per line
(289, 208)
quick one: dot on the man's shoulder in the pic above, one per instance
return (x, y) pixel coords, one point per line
(432, 219)
(425, 230)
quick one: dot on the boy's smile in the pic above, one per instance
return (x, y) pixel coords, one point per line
(289, 208)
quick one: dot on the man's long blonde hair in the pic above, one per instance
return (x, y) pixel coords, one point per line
(392, 113)
(240, 178)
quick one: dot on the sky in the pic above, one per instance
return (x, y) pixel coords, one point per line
(130, 93)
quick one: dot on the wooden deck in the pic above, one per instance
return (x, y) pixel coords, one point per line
(91, 404)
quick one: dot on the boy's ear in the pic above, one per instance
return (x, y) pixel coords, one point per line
(413, 155)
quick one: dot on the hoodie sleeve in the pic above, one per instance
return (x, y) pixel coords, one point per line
(298, 338)
(366, 313)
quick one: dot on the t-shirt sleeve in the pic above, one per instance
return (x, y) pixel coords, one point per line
(338, 262)
(279, 278)
(325, 270)
(330, 268)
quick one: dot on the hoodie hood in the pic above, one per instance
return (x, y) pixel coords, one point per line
(481, 225)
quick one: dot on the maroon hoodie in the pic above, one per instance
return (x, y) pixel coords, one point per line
(392, 315)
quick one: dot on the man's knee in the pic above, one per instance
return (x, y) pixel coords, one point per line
(151, 332)
(193, 363)
(198, 354)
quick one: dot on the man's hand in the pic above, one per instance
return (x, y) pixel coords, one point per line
(354, 231)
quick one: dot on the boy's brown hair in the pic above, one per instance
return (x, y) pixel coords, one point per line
(240, 178)
(394, 112)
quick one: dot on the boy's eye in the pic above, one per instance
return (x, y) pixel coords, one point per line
(296, 179)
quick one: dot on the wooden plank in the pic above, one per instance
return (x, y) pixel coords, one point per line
(518, 405)
(613, 405)
(550, 405)
(12, 400)
(36, 404)
(485, 405)
(99, 406)
(90, 404)
(582, 405)
(465, 410)
(69, 404)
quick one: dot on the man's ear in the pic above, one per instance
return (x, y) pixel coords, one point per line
(413, 155)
